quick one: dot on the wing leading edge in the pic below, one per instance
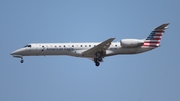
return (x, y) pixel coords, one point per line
(103, 46)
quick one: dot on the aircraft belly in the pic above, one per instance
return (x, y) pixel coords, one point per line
(127, 51)
(54, 52)
(45, 52)
(144, 49)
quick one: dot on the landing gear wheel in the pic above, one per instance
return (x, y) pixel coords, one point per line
(22, 61)
(99, 59)
(97, 63)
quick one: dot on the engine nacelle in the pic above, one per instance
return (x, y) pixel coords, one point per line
(131, 43)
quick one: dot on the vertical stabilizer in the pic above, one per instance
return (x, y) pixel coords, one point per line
(155, 36)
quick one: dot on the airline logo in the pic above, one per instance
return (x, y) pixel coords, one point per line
(153, 39)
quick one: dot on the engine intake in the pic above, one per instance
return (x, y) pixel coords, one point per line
(131, 43)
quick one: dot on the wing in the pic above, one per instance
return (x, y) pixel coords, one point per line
(103, 46)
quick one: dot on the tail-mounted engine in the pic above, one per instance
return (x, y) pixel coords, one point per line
(131, 43)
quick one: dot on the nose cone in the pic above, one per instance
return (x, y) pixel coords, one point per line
(18, 52)
(14, 52)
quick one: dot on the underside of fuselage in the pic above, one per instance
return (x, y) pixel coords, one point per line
(78, 52)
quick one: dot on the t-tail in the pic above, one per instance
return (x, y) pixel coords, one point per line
(153, 40)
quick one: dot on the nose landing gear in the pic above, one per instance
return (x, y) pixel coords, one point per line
(19, 56)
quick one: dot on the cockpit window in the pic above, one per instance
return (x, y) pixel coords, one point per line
(27, 46)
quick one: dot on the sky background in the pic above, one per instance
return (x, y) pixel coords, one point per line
(150, 76)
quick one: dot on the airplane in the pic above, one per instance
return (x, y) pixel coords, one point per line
(95, 51)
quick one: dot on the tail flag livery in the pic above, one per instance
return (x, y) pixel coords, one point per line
(153, 40)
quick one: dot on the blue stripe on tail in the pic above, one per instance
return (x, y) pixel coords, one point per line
(151, 35)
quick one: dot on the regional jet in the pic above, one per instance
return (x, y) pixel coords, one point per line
(96, 51)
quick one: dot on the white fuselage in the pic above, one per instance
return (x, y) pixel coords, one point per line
(95, 51)
(74, 49)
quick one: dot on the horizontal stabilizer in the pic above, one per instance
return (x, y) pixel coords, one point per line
(161, 27)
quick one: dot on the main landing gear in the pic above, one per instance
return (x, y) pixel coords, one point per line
(96, 62)
(22, 61)
(98, 59)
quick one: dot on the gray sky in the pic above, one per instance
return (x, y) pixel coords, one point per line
(150, 76)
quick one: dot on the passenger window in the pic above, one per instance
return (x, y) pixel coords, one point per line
(81, 45)
(89, 45)
(116, 45)
(72, 45)
(59, 46)
(64, 46)
(85, 45)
